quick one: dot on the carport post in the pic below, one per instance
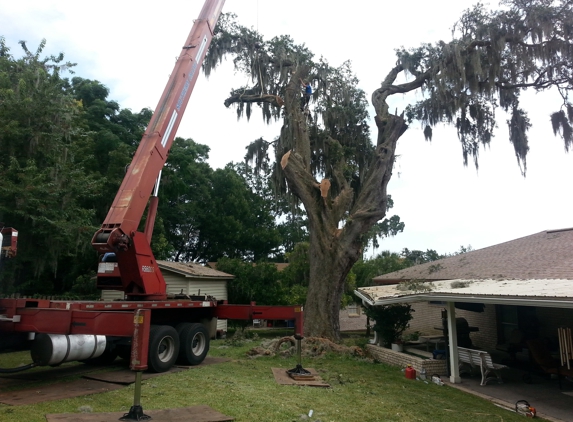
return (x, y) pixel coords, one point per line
(453, 344)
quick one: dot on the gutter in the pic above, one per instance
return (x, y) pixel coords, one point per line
(366, 300)
(444, 297)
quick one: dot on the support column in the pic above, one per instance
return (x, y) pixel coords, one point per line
(453, 344)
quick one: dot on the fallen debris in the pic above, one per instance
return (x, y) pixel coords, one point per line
(311, 347)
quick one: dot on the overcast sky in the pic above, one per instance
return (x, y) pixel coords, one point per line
(131, 48)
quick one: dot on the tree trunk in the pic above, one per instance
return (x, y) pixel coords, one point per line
(333, 250)
(329, 266)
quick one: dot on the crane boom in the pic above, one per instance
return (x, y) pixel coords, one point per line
(136, 271)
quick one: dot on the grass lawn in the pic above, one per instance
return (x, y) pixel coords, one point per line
(245, 389)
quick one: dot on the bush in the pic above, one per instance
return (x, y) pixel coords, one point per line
(390, 321)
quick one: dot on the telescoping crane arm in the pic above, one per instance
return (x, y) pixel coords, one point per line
(136, 271)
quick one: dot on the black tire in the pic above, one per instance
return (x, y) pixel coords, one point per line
(194, 343)
(163, 348)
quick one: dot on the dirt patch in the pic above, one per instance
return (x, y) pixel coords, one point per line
(56, 391)
(310, 347)
(208, 361)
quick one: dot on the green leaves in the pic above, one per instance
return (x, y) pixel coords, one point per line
(390, 320)
(209, 214)
(63, 152)
(492, 59)
(258, 282)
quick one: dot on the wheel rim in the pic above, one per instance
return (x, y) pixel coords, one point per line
(166, 349)
(198, 344)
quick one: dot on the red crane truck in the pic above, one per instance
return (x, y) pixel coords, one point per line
(151, 328)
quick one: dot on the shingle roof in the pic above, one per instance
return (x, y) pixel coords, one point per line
(191, 269)
(544, 255)
(278, 265)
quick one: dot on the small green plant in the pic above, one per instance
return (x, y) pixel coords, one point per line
(459, 284)
(390, 321)
(413, 336)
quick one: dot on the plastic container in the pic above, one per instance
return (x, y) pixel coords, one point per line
(410, 372)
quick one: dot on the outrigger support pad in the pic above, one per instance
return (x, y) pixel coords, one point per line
(136, 411)
(299, 372)
(135, 414)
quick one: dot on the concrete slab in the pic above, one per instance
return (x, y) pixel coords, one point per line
(551, 403)
(194, 413)
(281, 377)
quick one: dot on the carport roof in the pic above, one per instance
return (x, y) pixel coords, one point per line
(555, 293)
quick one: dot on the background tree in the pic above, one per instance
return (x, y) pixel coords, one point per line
(385, 262)
(258, 282)
(43, 185)
(183, 196)
(63, 150)
(492, 58)
(208, 214)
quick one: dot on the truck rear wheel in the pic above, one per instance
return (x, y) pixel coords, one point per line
(163, 348)
(194, 345)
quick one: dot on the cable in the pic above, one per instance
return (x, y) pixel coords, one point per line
(18, 369)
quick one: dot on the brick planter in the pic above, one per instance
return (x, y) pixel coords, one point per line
(432, 366)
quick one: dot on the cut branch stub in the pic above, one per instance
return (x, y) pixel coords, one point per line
(284, 160)
(324, 187)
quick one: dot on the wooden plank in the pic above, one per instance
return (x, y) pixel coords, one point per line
(282, 377)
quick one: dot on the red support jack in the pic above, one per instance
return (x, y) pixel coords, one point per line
(138, 362)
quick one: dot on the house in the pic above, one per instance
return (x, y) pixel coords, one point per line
(510, 292)
(190, 279)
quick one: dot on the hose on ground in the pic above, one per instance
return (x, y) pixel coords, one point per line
(18, 369)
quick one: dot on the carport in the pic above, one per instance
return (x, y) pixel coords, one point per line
(533, 292)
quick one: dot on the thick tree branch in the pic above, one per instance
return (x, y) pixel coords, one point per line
(274, 100)
(379, 96)
(372, 201)
(295, 129)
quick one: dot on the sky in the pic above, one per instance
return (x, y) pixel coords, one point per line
(131, 48)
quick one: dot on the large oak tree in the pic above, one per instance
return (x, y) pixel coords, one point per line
(324, 156)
